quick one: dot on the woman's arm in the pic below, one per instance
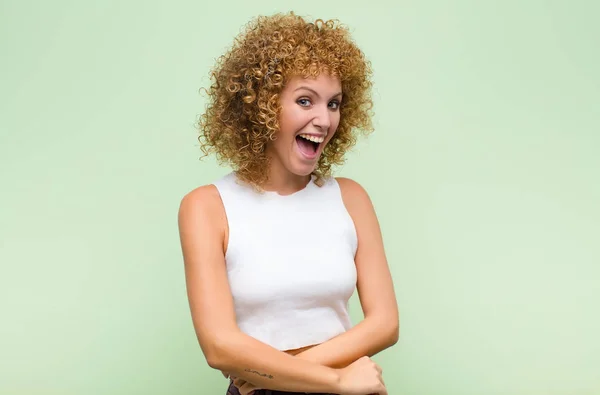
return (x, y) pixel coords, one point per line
(380, 327)
(202, 226)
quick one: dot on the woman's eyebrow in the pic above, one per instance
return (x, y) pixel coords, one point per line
(315, 92)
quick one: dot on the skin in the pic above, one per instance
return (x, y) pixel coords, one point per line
(307, 106)
(340, 365)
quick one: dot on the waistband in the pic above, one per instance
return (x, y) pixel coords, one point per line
(233, 390)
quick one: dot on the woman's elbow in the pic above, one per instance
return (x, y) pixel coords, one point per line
(215, 352)
(387, 330)
(393, 332)
(214, 360)
(211, 354)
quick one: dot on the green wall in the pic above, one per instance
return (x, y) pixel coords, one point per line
(484, 170)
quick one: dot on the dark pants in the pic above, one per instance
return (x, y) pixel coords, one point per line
(232, 390)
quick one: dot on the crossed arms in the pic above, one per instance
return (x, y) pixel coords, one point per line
(202, 227)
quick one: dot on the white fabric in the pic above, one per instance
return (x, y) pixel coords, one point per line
(290, 262)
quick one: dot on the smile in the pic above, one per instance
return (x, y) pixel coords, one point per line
(308, 145)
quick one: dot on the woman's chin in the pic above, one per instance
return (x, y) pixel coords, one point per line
(302, 173)
(302, 170)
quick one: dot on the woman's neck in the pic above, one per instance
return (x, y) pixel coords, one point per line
(284, 182)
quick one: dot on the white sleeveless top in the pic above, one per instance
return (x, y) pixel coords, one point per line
(290, 262)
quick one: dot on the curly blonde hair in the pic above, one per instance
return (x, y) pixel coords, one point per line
(242, 114)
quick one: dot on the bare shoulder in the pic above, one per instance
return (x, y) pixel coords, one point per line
(349, 184)
(203, 202)
(201, 213)
(201, 198)
(354, 195)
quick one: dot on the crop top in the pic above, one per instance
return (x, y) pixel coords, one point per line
(290, 262)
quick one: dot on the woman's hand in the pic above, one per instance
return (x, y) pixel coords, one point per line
(244, 387)
(362, 377)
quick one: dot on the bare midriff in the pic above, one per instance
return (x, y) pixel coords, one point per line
(299, 350)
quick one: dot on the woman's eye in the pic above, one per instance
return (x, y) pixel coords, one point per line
(304, 102)
(334, 105)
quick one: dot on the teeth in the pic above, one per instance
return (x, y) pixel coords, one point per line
(314, 139)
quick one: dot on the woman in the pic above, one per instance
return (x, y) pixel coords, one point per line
(274, 250)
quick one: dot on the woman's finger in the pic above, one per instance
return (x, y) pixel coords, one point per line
(379, 369)
(247, 389)
(239, 382)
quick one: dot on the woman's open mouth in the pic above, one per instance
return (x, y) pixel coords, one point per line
(309, 144)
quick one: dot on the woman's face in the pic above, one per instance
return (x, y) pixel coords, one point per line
(308, 120)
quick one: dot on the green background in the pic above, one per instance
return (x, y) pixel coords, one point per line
(484, 170)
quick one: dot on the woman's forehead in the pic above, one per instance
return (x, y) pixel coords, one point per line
(322, 82)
